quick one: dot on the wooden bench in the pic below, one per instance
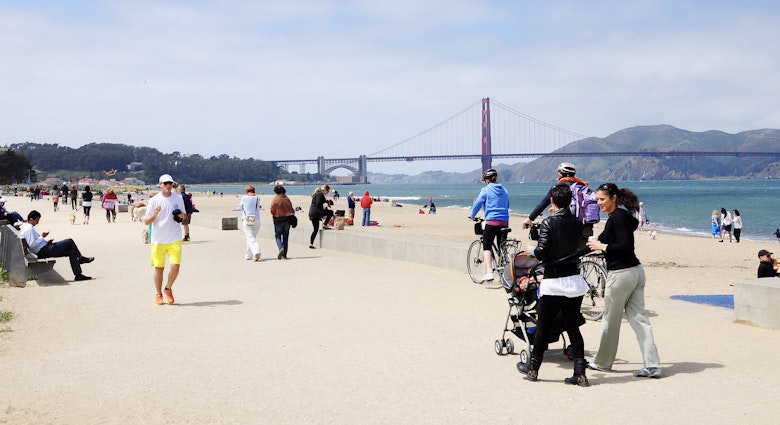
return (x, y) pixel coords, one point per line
(17, 259)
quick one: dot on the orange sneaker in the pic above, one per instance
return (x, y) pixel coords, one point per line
(168, 295)
(158, 299)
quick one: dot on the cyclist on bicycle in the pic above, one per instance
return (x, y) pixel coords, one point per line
(494, 199)
(563, 287)
(566, 171)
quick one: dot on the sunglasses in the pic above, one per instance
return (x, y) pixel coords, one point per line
(167, 182)
(610, 188)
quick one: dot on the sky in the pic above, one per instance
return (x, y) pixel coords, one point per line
(301, 79)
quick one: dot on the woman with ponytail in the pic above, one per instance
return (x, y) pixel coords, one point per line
(625, 289)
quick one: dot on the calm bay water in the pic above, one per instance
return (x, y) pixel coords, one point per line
(673, 206)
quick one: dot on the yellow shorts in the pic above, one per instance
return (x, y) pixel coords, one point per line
(173, 250)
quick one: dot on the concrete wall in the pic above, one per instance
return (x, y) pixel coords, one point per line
(443, 254)
(757, 301)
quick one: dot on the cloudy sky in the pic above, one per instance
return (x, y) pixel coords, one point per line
(291, 79)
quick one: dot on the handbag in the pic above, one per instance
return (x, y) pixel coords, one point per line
(108, 204)
(293, 221)
(250, 218)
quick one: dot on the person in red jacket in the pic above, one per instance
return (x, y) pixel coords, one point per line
(365, 203)
(108, 203)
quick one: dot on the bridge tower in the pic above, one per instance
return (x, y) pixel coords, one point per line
(362, 169)
(487, 158)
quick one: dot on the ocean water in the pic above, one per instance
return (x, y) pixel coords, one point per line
(672, 206)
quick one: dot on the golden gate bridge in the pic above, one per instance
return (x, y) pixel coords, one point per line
(502, 131)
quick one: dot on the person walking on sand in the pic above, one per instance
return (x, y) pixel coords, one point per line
(249, 205)
(108, 203)
(318, 210)
(365, 203)
(494, 199)
(55, 197)
(188, 210)
(74, 195)
(641, 215)
(737, 222)
(165, 213)
(284, 217)
(727, 222)
(563, 286)
(715, 219)
(86, 202)
(49, 249)
(625, 287)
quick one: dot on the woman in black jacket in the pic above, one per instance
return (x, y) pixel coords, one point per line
(318, 210)
(562, 288)
(86, 202)
(625, 289)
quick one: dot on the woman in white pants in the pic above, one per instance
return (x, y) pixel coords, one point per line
(250, 222)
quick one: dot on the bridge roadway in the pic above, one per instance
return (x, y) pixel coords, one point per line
(530, 155)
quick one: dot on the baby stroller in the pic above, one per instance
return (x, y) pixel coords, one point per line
(522, 307)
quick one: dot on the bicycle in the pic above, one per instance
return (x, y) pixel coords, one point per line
(593, 269)
(504, 250)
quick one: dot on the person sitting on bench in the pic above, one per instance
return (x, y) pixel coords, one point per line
(49, 249)
(11, 216)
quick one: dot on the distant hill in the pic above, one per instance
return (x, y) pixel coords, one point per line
(646, 138)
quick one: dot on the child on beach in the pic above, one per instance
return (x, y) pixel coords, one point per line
(715, 219)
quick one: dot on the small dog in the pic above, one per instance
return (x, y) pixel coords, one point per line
(138, 214)
(72, 216)
(652, 234)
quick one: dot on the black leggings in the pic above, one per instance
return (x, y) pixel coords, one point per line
(547, 308)
(737, 232)
(316, 223)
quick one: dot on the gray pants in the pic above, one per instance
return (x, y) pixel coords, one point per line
(625, 290)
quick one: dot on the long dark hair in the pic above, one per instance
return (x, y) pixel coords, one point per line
(625, 197)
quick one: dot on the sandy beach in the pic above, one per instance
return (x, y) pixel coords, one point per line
(329, 337)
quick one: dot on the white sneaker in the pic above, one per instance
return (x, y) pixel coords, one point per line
(488, 277)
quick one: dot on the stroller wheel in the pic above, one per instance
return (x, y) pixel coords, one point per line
(524, 356)
(499, 346)
(510, 346)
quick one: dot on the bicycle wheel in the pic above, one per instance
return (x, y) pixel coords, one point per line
(596, 276)
(475, 262)
(511, 248)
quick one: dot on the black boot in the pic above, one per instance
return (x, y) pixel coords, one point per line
(531, 370)
(579, 377)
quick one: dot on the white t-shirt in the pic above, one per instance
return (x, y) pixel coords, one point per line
(164, 228)
(567, 286)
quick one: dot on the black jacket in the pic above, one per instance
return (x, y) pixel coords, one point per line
(559, 235)
(618, 234)
(766, 270)
(317, 208)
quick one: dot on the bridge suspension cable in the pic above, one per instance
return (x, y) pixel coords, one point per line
(512, 133)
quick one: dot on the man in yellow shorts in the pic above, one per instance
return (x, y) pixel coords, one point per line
(164, 212)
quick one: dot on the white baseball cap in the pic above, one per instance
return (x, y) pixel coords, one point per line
(3, 200)
(165, 178)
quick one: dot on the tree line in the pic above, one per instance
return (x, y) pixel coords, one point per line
(95, 159)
